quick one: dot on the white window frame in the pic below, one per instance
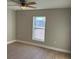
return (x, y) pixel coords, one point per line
(33, 37)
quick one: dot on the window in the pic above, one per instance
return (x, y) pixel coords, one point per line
(39, 28)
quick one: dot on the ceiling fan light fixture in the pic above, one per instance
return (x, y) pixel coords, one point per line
(23, 7)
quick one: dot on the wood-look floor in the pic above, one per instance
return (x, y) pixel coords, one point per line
(23, 51)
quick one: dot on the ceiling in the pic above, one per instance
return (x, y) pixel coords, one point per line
(42, 4)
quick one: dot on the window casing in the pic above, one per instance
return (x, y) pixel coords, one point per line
(39, 28)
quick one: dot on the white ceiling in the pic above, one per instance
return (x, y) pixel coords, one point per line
(43, 4)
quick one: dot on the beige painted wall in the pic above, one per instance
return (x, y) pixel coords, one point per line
(11, 25)
(57, 27)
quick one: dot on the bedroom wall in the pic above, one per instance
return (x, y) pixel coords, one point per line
(11, 25)
(57, 27)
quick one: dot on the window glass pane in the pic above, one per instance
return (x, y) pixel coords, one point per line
(39, 34)
(39, 22)
(38, 28)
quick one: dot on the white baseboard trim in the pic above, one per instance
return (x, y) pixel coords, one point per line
(44, 46)
(12, 41)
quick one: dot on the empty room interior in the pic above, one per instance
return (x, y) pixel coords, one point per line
(38, 29)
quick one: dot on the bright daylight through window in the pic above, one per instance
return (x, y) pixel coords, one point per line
(39, 28)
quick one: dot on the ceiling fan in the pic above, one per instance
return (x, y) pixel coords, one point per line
(24, 3)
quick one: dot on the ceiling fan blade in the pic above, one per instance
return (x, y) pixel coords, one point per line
(31, 3)
(16, 1)
(13, 5)
(30, 6)
(19, 1)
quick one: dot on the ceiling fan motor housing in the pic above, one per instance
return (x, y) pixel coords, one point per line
(22, 2)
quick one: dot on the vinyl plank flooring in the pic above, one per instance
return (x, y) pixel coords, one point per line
(25, 51)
